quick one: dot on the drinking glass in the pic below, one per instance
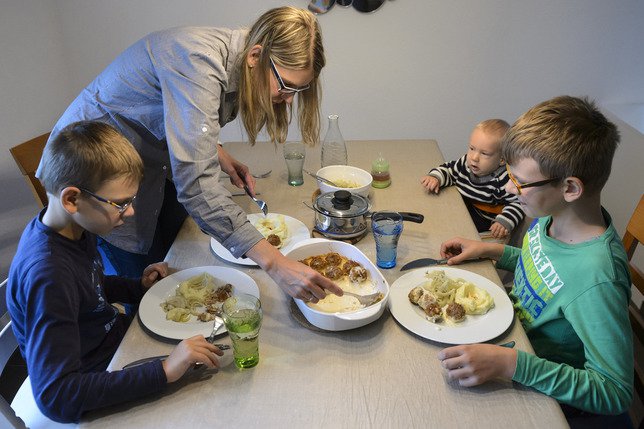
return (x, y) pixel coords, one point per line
(386, 227)
(294, 155)
(242, 314)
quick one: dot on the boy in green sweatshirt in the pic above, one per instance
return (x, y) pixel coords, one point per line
(572, 284)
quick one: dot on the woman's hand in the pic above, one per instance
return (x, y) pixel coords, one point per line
(475, 364)
(431, 184)
(153, 273)
(238, 172)
(295, 278)
(187, 353)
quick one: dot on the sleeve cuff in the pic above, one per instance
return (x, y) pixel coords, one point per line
(242, 240)
(503, 221)
(519, 371)
(505, 262)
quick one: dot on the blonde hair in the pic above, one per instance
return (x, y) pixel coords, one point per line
(568, 137)
(292, 37)
(86, 154)
(494, 127)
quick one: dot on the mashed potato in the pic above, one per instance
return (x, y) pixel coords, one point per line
(274, 229)
(343, 183)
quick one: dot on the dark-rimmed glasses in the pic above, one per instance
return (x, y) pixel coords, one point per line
(283, 88)
(121, 207)
(520, 186)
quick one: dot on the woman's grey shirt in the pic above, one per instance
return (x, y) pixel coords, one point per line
(169, 94)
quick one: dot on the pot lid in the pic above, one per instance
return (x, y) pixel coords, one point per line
(342, 204)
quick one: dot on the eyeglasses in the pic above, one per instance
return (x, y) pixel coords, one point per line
(283, 89)
(121, 207)
(520, 186)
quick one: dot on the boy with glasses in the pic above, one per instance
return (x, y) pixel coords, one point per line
(572, 283)
(480, 177)
(57, 294)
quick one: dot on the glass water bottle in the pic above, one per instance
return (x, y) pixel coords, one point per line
(334, 150)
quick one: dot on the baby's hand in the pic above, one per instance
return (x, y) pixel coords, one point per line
(431, 184)
(154, 273)
(498, 230)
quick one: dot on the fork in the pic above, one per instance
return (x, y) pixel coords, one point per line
(211, 338)
(261, 203)
(366, 300)
(255, 175)
(218, 323)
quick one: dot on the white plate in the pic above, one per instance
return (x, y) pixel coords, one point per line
(474, 329)
(297, 232)
(153, 317)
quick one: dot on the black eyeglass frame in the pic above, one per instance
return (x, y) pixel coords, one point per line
(121, 207)
(283, 88)
(520, 186)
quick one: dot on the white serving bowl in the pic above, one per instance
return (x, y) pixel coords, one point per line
(349, 320)
(337, 173)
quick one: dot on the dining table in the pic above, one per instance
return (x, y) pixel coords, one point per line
(378, 375)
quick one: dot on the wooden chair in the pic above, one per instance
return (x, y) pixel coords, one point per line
(633, 236)
(27, 155)
(8, 345)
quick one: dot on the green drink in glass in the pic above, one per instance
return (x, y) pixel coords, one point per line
(242, 314)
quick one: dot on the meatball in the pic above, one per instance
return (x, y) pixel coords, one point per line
(348, 265)
(333, 258)
(333, 272)
(318, 262)
(415, 294)
(358, 274)
(274, 240)
(425, 299)
(455, 312)
(434, 312)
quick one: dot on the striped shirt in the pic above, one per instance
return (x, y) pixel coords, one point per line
(488, 189)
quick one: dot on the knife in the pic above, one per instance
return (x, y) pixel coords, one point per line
(428, 262)
(221, 347)
(423, 262)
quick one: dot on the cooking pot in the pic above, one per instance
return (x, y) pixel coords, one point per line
(343, 215)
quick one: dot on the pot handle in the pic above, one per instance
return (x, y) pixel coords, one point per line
(309, 206)
(362, 314)
(412, 217)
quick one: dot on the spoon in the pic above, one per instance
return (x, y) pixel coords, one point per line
(262, 204)
(366, 300)
(321, 179)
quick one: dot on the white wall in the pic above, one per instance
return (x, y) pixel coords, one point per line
(413, 69)
(34, 83)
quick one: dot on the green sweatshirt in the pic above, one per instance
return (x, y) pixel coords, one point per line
(573, 303)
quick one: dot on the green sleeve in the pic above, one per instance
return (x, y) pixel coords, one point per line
(509, 258)
(605, 384)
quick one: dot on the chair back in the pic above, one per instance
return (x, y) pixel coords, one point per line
(8, 345)
(27, 155)
(633, 236)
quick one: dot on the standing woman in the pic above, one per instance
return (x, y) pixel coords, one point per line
(169, 94)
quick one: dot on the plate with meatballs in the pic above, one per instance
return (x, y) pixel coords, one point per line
(450, 305)
(282, 231)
